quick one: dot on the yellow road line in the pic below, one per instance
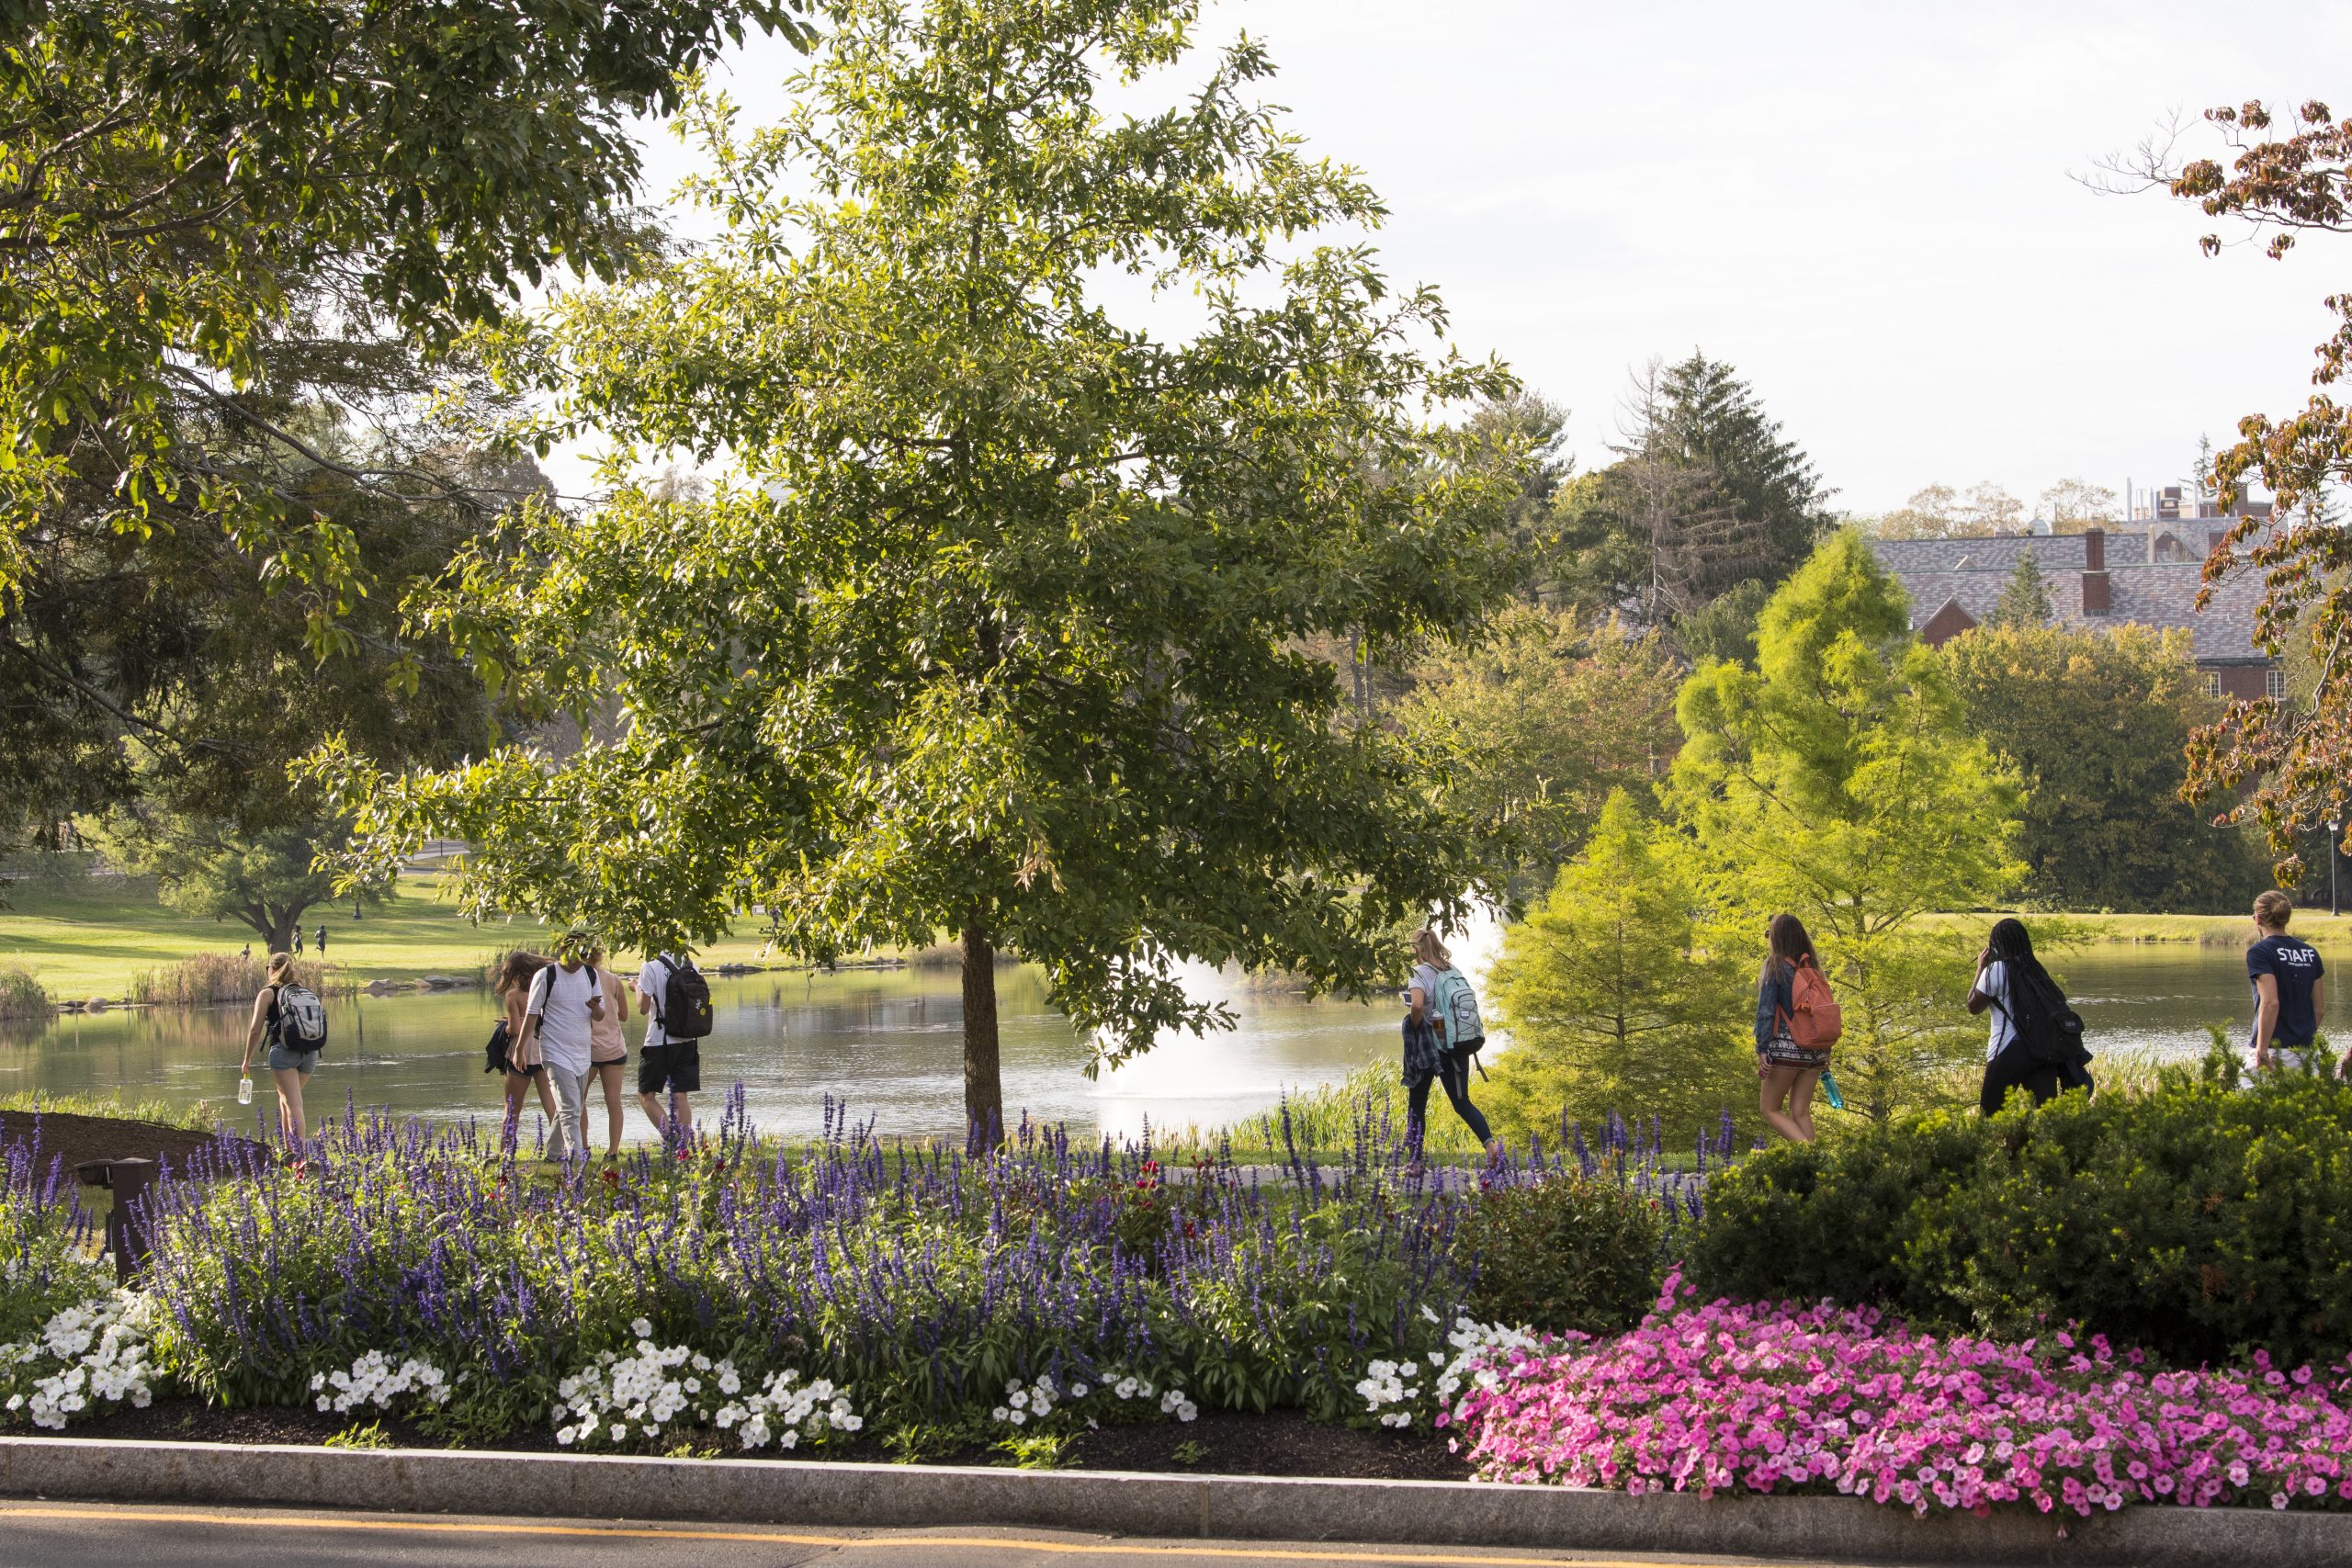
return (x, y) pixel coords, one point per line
(965, 1543)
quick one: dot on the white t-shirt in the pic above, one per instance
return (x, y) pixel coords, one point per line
(559, 1002)
(653, 981)
(1993, 982)
(1424, 980)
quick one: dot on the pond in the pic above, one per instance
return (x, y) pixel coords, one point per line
(885, 1042)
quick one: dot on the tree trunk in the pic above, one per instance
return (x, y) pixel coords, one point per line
(983, 1086)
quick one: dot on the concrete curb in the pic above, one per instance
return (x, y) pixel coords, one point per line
(1390, 1513)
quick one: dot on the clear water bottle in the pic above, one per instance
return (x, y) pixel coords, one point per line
(244, 1091)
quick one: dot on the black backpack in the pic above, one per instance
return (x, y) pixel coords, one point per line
(685, 1001)
(2048, 1030)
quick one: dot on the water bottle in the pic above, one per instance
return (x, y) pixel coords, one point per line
(244, 1091)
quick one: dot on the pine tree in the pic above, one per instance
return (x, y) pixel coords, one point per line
(1839, 780)
(1614, 996)
(2025, 599)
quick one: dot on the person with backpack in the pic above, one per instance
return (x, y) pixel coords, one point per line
(2289, 1005)
(2035, 1040)
(608, 1056)
(1797, 1022)
(566, 1000)
(505, 1054)
(289, 1016)
(676, 1000)
(1443, 1033)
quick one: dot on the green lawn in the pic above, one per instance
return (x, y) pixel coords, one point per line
(90, 936)
(2314, 926)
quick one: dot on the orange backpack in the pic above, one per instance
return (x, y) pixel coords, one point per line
(1814, 1020)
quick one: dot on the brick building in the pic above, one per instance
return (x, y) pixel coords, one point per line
(2143, 574)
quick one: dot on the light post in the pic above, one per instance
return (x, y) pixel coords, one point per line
(2334, 830)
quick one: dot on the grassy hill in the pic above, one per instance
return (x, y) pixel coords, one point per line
(90, 936)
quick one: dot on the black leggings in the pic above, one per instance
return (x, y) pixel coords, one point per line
(1453, 1072)
(2014, 1070)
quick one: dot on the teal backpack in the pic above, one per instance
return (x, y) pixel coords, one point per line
(1457, 1006)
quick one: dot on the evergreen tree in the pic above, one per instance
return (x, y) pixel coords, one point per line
(1616, 996)
(1706, 494)
(1839, 780)
(2025, 598)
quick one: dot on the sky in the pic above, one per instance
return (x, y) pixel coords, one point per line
(1875, 211)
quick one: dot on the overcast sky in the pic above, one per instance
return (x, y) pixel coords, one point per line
(1871, 208)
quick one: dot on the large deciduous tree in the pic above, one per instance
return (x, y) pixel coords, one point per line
(2095, 723)
(1839, 780)
(1000, 621)
(1547, 717)
(2284, 762)
(225, 229)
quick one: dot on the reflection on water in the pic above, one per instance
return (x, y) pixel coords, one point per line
(887, 1042)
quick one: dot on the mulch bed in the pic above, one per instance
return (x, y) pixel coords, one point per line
(80, 1138)
(1230, 1443)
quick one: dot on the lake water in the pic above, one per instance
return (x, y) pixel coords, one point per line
(886, 1042)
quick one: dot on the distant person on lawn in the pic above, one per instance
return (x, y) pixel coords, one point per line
(523, 1066)
(667, 1062)
(1429, 1055)
(322, 938)
(608, 1058)
(2288, 1006)
(1787, 1071)
(285, 1011)
(565, 1001)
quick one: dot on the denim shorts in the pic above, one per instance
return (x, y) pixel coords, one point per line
(282, 1060)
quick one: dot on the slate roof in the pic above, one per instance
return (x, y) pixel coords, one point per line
(1972, 573)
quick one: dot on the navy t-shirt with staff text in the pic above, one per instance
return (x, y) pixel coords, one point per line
(2294, 965)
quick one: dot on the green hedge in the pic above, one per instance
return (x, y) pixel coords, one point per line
(2200, 1221)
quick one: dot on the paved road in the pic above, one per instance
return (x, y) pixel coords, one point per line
(67, 1535)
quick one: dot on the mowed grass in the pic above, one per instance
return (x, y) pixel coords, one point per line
(2314, 926)
(88, 937)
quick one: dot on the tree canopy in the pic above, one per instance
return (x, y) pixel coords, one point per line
(2095, 723)
(997, 620)
(230, 236)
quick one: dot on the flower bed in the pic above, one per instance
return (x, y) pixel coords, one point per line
(742, 1299)
(1721, 1398)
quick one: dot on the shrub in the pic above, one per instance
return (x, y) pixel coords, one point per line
(2195, 1220)
(1574, 1254)
(21, 996)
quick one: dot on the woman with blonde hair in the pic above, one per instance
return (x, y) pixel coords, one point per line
(521, 1061)
(2289, 1004)
(1431, 1053)
(277, 1007)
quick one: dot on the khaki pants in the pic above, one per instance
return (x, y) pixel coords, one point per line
(571, 1096)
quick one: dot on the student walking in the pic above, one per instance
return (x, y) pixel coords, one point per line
(322, 940)
(1434, 1016)
(2288, 1006)
(2018, 992)
(289, 1016)
(518, 1055)
(608, 1056)
(676, 1000)
(566, 1000)
(1797, 1021)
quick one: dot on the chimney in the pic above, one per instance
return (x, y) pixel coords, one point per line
(2095, 589)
